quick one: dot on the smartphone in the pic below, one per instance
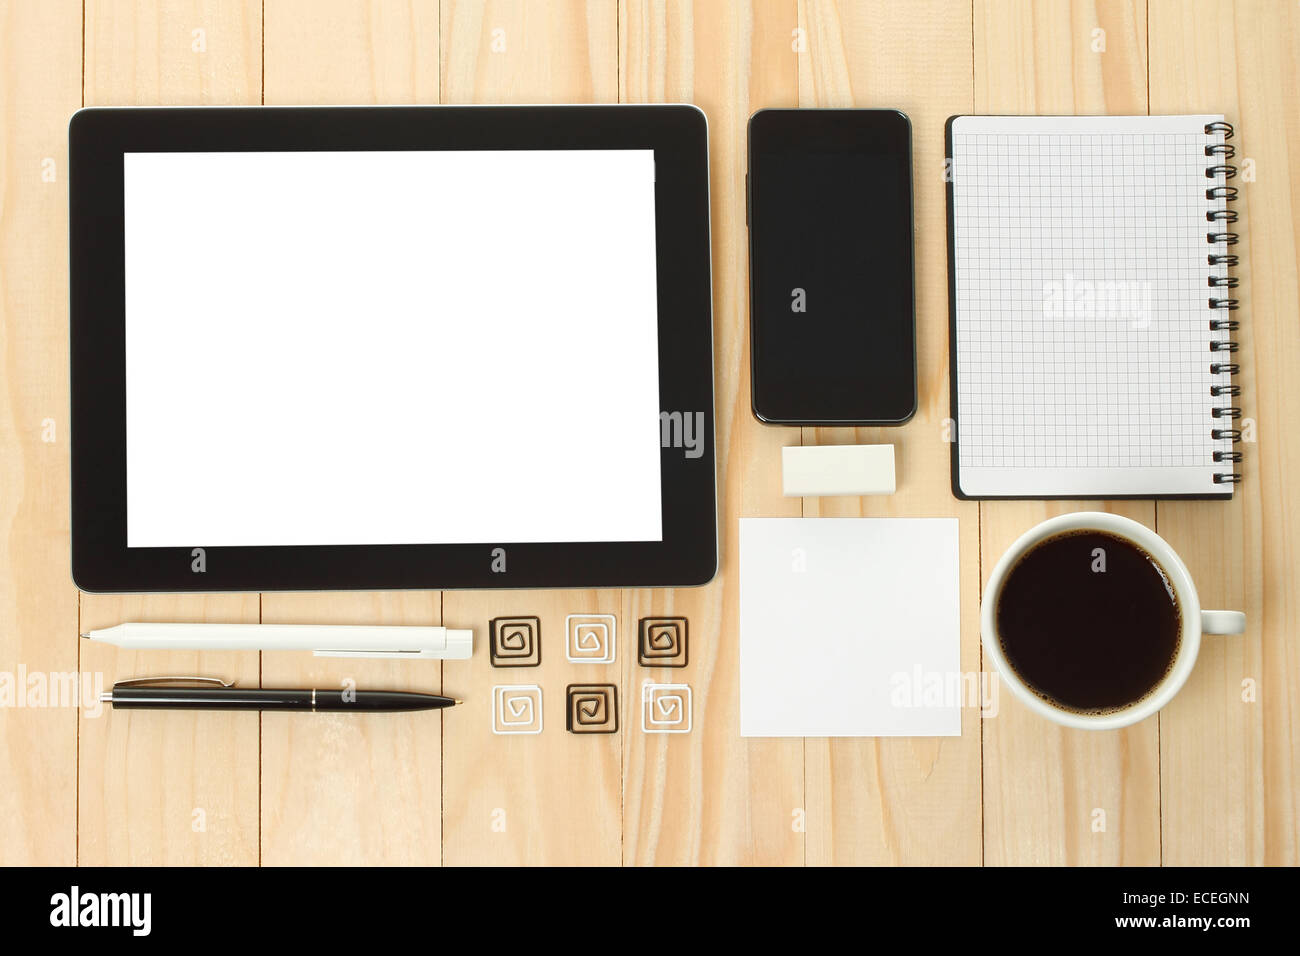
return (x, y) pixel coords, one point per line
(831, 284)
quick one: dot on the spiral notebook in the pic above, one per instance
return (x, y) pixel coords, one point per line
(1092, 308)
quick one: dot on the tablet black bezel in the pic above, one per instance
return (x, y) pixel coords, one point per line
(101, 561)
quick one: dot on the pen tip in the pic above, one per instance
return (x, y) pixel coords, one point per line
(85, 635)
(458, 700)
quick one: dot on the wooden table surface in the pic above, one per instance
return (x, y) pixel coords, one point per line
(1212, 779)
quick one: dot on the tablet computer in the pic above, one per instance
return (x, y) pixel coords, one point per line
(394, 347)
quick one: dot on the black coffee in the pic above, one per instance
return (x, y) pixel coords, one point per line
(1089, 621)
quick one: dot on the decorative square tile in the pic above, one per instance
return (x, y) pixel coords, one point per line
(515, 641)
(592, 638)
(592, 709)
(662, 642)
(516, 709)
(665, 708)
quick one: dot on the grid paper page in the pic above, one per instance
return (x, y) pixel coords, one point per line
(1082, 306)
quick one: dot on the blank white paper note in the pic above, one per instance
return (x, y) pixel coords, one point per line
(850, 627)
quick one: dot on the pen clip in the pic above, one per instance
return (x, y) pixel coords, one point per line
(140, 681)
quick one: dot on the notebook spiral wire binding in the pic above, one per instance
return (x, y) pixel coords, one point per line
(1219, 154)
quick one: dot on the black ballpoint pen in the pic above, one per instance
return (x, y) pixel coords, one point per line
(166, 693)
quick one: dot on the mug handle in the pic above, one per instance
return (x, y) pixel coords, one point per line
(1223, 622)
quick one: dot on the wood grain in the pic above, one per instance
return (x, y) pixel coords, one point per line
(40, 88)
(909, 801)
(1052, 795)
(178, 787)
(1212, 780)
(551, 798)
(709, 797)
(1045, 56)
(512, 51)
(1230, 759)
(526, 799)
(347, 52)
(346, 789)
(174, 53)
(168, 788)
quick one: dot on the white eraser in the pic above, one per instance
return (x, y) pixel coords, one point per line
(813, 470)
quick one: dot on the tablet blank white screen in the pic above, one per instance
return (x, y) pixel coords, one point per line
(328, 348)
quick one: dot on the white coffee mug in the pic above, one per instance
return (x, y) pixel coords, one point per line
(1195, 622)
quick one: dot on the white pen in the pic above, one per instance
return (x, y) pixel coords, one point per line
(437, 643)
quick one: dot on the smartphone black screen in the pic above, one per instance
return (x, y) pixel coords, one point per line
(832, 320)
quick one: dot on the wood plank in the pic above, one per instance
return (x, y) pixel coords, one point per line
(1044, 56)
(706, 797)
(1230, 762)
(349, 52)
(172, 53)
(184, 789)
(902, 800)
(170, 788)
(511, 51)
(40, 88)
(552, 797)
(524, 799)
(1043, 784)
(344, 789)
